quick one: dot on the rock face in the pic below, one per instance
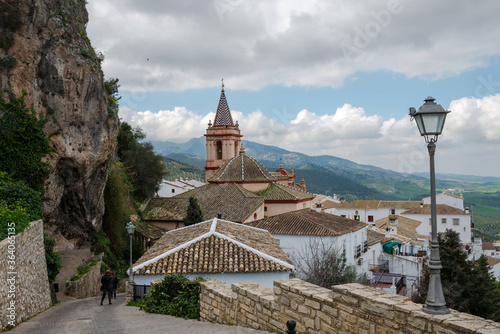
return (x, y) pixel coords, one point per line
(57, 68)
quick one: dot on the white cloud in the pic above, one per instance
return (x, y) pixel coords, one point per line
(349, 133)
(191, 44)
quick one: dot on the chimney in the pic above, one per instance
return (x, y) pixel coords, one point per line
(466, 209)
(421, 205)
(387, 232)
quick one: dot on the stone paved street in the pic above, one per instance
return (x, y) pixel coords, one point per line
(86, 316)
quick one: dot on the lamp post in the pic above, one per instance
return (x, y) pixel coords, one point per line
(130, 229)
(430, 119)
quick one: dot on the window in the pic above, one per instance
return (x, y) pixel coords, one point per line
(356, 217)
(370, 219)
(393, 211)
(443, 220)
(265, 209)
(255, 215)
(173, 191)
(219, 150)
(342, 216)
(456, 221)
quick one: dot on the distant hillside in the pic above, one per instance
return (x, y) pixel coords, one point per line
(178, 170)
(367, 181)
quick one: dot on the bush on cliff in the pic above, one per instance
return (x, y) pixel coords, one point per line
(54, 260)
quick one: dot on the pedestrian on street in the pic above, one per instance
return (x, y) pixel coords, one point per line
(106, 286)
(114, 281)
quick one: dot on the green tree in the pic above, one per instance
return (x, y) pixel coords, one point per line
(23, 143)
(321, 263)
(12, 191)
(193, 214)
(13, 218)
(54, 260)
(116, 208)
(145, 168)
(467, 286)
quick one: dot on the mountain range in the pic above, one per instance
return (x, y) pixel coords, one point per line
(325, 174)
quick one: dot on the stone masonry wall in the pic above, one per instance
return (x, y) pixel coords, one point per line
(349, 308)
(88, 285)
(24, 283)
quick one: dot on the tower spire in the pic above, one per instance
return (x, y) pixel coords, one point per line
(223, 116)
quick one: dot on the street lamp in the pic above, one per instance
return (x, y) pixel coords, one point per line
(130, 229)
(430, 119)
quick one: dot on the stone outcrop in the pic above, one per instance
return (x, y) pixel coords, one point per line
(57, 68)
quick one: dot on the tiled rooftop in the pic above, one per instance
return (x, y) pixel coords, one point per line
(280, 192)
(242, 169)
(377, 204)
(148, 230)
(308, 222)
(492, 261)
(374, 237)
(214, 246)
(488, 246)
(234, 202)
(442, 209)
(223, 115)
(406, 227)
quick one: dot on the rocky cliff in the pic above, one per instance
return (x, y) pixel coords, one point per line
(45, 52)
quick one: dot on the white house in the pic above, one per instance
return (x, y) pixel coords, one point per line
(495, 267)
(172, 188)
(450, 213)
(215, 249)
(491, 249)
(297, 230)
(448, 199)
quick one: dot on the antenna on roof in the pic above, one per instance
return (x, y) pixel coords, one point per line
(222, 84)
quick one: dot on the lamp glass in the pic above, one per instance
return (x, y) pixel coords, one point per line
(430, 124)
(130, 228)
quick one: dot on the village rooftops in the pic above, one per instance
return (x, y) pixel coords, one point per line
(234, 202)
(308, 222)
(406, 227)
(280, 192)
(377, 204)
(214, 246)
(242, 169)
(442, 209)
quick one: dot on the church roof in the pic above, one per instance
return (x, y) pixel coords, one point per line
(234, 202)
(281, 192)
(242, 169)
(223, 115)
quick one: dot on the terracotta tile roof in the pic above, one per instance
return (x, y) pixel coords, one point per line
(214, 246)
(240, 169)
(442, 209)
(492, 261)
(488, 246)
(234, 202)
(327, 204)
(148, 230)
(374, 237)
(280, 192)
(223, 115)
(406, 227)
(376, 204)
(308, 222)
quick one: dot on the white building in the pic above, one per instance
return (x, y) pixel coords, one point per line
(491, 249)
(215, 249)
(296, 231)
(172, 188)
(451, 213)
(495, 267)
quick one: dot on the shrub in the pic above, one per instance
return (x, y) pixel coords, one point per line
(54, 260)
(8, 61)
(13, 218)
(176, 295)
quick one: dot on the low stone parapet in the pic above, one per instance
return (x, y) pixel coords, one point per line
(89, 285)
(349, 308)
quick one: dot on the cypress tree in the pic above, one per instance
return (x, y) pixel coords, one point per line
(193, 214)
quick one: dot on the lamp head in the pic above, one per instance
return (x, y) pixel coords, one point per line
(130, 228)
(430, 119)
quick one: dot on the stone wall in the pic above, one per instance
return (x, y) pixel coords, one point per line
(349, 308)
(24, 284)
(89, 285)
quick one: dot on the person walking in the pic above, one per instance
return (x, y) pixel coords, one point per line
(106, 286)
(114, 281)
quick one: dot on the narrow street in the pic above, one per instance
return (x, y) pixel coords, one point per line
(87, 316)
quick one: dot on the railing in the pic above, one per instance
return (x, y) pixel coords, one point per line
(141, 291)
(386, 278)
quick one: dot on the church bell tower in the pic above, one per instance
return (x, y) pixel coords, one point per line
(223, 138)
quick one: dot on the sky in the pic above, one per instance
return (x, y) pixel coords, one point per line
(316, 77)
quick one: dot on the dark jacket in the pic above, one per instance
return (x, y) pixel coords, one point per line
(114, 282)
(106, 284)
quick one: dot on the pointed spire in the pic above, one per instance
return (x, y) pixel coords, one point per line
(242, 150)
(223, 115)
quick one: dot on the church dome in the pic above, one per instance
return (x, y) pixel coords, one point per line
(242, 169)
